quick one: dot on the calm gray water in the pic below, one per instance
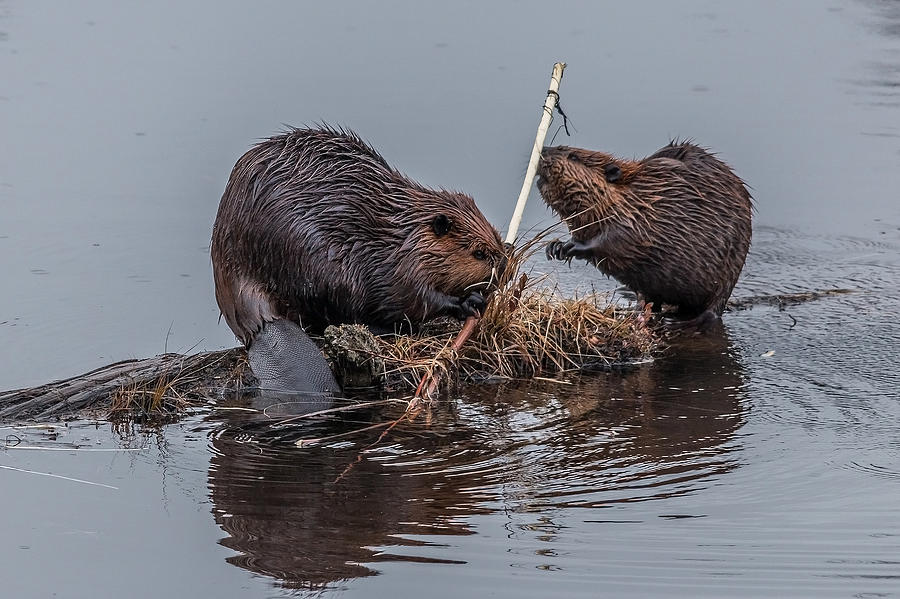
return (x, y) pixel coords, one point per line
(762, 461)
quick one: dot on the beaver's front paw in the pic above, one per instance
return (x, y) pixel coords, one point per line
(554, 250)
(470, 305)
(566, 250)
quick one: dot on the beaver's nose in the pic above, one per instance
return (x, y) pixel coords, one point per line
(550, 153)
(548, 156)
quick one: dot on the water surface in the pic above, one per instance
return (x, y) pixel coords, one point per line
(759, 461)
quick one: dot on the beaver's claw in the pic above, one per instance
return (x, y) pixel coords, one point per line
(554, 250)
(566, 250)
(471, 305)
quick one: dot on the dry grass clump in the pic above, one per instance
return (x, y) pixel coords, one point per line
(538, 330)
(176, 385)
(528, 329)
(536, 333)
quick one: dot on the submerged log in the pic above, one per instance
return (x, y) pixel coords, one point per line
(164, 384)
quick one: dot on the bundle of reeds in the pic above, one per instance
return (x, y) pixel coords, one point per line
(529, 329)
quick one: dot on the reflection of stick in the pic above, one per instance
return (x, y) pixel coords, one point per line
(546, 117)
(317, 413)
(320, 440)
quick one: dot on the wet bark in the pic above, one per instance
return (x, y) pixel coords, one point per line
(100, 388)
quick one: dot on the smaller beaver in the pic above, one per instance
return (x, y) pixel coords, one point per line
(315, 227)
(674, 227)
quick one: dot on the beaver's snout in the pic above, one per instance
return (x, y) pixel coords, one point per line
(552, 153)
(548, 156)
(557, 153)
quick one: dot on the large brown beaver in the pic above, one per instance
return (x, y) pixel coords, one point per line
(674, 227)
(315, 227)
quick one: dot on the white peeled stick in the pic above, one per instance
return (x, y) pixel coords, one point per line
(546, 118)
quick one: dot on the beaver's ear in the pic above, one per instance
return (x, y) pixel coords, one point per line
(441, 225)
(612, 172)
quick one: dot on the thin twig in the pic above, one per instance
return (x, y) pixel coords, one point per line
(75, 480)
(356, 406)
(79, 449)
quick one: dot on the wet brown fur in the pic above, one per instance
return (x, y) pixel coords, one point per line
(316, 227)
(674, 227)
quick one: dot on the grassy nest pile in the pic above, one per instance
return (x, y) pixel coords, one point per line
(528, 329)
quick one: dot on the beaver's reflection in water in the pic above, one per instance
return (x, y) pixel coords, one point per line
(302, 517)
(287, 514)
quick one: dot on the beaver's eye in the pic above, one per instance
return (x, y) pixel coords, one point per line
(479, 255)
(441, 225)
(613, 173)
